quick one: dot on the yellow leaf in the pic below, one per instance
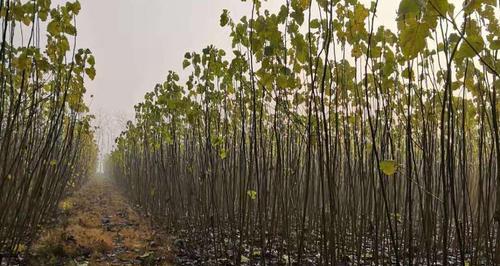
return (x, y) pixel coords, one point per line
(20, 248)
(388, 167)
(252, 194)
(304, 4)
(66, 205)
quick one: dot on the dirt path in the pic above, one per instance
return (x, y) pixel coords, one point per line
(99, 227)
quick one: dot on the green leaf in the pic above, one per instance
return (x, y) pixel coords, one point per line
(413, 37)
(252, 194)
(283, 13)
(17, 11)
(304, 4)
(224, 18)
(442, 6)
(74, 7)
(474, 5)
(63, 45)
(24, 61)
(356, 51)
(53, 162)
(91, 60)
(53, 28)
(282, 81)
(70, 29)
(315, 24)
(223, 154)
(495, 45)
(466, 50)
(185, 63)
(90, 72)
(298, 16)
(408, 7)
(388, 167)
(376, 52)
(407, 73)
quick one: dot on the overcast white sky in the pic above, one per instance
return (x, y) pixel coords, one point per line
(136, 42)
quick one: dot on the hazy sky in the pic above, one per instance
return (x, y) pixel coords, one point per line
(136, 42)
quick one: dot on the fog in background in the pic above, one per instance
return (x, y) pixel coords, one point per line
(136, 42)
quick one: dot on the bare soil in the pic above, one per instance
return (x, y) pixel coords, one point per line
(97, 226)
